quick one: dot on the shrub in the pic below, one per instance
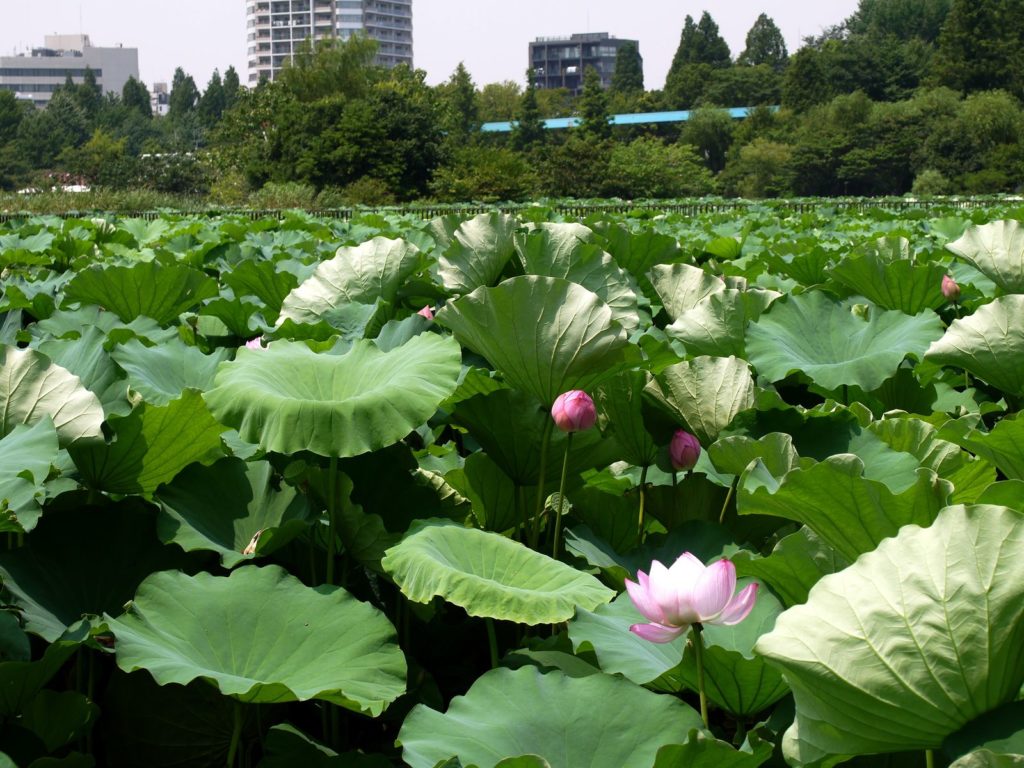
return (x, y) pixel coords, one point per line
(287, 194)
(931, 182)
(648, 168)
(486, 174)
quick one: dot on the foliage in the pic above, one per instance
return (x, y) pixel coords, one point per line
(650, 168)
(629, 69)
(764, 45)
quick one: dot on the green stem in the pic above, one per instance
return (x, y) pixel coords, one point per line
(539, 508)
(741, 733)
(846, 394)
(492, 642)
(929, 758)
(698, 655)
(561, 497)
(236, 734)
(332, 492)
(643, 496)
(517, 500)
(725, 506)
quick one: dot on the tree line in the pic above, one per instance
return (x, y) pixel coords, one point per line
(903, 96)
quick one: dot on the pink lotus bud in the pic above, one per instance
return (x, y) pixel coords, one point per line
(684, 450)
(426, 312)
(574, 411)
(672, 599)
(950, 289)
(254, 343)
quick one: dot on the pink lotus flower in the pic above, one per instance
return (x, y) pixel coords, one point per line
(574, 411)
(950, 289)
(426, 312)
(254, 343)
(688, 593)
(684, 450)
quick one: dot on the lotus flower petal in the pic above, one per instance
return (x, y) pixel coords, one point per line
(714, 589)
(642, 598)
(738, 608)
(658, 633)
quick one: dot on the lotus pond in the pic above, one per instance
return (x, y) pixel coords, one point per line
(289, 492)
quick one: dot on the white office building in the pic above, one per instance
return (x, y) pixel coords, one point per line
(34, 76)
(276, 28)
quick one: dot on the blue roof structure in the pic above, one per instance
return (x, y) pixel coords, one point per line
(638, 118)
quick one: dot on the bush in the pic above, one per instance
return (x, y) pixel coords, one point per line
(931, 182)
(485, 174)
(364, 191)
(287, 194)
(230, 188)
(648, 168)
(762, 169)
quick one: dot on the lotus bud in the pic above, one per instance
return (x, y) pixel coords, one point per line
(254, 343)
(574, 411)
(426, 312)
(684, 450)
(950, 289)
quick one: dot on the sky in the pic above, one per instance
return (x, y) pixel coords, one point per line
(490, 37)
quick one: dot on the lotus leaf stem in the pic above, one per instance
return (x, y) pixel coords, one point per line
(929, 758)
(561, 497)
(725, 505)
(492, 641)
(538, 511)
(332, 492)
(698, 655)
(643, 496)
(236, 733)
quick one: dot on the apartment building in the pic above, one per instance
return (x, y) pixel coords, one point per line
(36, 75)
(559, 62)
(276, 29)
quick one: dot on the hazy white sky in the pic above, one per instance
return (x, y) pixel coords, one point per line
(491, 37)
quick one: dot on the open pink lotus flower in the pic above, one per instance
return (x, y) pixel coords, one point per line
(688, 593)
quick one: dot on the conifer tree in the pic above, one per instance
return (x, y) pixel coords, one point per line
(764, 45)
(629, 70)
(529, 130)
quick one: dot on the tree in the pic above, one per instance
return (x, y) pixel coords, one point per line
(709, 131)
(593, 106)
(529, 129)
(135, 96)
(764, 45)
(648, 168)
(902, 19)
(981, 47)
(499, 101)
(184, 95)
(629, 70)
(89, 95)
(701, 49)
(333, 67)
(459, 105)
(12, 112)
(213, 101)
(232, 87)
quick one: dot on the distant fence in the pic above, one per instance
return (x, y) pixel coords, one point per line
(578, 210)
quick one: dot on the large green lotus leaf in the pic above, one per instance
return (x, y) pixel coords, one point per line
(287, 398)
(732, 455)
(564, 250)
(489, 575)
(21, 681)
(1009, 493)
(180, 725)
(509, 425)
(605, 630)
(808, 267)
(33, 387)
(74, 564)
(637, 251)
(59, 718)
(997, 250)
(909, 643)
(986, 758)
(545, 335)
(228, 507)
(26, 456)
(999, 731)
(900, 284)
(158, 291)
(491, 492)
(682, 287)
(152, 444)
(264, 281)
(795, 565)
(87, 358)
(820, 337)
(596, 721)
(700, 751)
(989, 344)
(362, 274)
(261, 635)
(833, 498)
(1003, 446)
(917, 437)
(73, 324)
(477, 252)
(160, 373)
(620, 399)
(705, 393)
(738, 680)
(716, 326)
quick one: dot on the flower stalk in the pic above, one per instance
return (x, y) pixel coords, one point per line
(698, 656)
(561, 497)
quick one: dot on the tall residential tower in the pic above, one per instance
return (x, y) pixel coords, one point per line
(276, 29)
